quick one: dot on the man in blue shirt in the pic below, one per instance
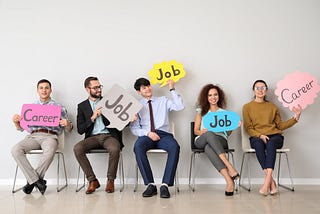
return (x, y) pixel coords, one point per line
(92, 123)
(153, 130)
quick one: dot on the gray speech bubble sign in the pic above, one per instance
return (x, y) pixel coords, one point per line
(119, 107)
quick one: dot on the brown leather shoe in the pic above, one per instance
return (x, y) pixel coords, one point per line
(110, 186)
(93, 185)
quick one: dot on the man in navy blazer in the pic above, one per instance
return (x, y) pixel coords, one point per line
(97, 136)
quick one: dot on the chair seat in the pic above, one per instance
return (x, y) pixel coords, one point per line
(156, 151)
(97, 151)
(283, 150)
(278, 150)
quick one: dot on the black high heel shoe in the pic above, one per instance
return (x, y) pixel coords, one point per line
(237, 176)
(228, 193)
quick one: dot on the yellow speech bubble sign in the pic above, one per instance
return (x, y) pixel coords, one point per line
(164, 71)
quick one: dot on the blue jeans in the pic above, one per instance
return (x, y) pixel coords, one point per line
(266, 152)
(167, 143)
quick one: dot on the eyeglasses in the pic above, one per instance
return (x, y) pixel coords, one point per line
(262, 88)
(96, 88)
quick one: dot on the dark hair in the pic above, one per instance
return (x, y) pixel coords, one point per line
(88, 80)
(43, 81)
(141, 82)
(261, 81)
(203, 98)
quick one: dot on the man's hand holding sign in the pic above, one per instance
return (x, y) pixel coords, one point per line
(165, 71)
(118, 106)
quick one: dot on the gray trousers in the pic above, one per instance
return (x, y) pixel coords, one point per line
(47, 142)
(213, 146)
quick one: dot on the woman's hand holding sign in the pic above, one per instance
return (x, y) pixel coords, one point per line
(297, 112)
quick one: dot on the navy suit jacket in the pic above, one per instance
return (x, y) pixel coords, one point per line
(85, 125)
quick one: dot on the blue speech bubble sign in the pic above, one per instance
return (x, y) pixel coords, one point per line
(221, 121)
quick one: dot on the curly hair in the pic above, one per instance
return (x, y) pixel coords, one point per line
(203, 102)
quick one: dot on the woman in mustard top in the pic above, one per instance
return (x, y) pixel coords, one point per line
(263, 123)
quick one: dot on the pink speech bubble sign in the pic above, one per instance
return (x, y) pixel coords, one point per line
(297, 88)
(39, 115)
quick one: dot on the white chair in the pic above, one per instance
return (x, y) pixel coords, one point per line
(246, 148)
(157, 151)
(102, 151)
(59, 153)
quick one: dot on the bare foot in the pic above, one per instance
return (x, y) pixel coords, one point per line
(264, 190)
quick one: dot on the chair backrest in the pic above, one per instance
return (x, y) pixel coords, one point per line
(172, 127)
(61, 141)
(192, 136)
(245, 140)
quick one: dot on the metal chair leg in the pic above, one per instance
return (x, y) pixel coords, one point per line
(235, 183)
(65, 173)
(121, 173)
(136, 179)
(241, 173)
(14, 182)
(278, 177)
(176, 180)
(78, 177)
(191, 175)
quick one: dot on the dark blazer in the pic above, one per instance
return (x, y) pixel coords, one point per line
(85, 125)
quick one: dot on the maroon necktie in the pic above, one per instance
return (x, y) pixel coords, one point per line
(151, 117)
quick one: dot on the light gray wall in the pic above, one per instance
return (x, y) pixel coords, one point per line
(230, 43)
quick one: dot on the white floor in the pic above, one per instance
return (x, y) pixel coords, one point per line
(206, 199)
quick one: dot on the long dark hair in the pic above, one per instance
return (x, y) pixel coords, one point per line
(203, 98)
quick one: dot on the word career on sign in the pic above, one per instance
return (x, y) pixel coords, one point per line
(289, 96)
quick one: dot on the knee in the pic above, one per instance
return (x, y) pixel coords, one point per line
(50, 150)
(16, 151)
(175, 148)
(77, 149)
(137, 148)
(114, 150)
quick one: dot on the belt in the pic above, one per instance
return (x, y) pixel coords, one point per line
(44, 131)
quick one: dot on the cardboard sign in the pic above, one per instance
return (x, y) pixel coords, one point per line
(119, 107)
(164, 71)
(221, 121)
(297, 89)
(39, 115)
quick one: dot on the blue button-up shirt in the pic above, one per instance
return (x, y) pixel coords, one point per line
(99, 127)
(161, 107)
(64, 115)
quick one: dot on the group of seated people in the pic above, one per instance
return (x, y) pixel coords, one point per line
(261, 120)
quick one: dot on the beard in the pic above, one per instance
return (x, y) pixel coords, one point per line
(94, 95)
